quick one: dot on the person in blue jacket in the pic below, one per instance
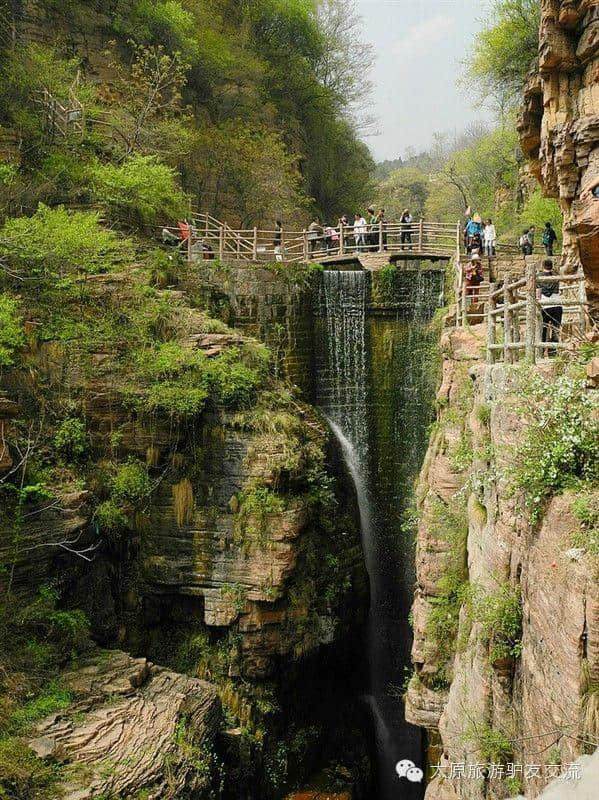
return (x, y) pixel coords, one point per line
(474, 234)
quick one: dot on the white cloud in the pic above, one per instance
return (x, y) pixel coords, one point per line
(419, 38)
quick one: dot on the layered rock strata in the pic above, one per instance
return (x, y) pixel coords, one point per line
(559, 127)
(537, 702)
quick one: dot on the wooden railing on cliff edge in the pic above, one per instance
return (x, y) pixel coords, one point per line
(420, 238)
(512, 313)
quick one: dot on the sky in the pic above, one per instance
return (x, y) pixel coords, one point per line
(419, 45)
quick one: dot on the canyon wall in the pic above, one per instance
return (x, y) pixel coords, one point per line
(231, 568)
(559, 127)
(506, 611)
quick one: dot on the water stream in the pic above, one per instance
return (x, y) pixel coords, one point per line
(372, 386)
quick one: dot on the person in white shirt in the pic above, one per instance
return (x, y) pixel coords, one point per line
(489, 238)
(406, 228)
(360, 232)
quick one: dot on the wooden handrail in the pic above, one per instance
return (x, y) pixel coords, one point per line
(427, 239)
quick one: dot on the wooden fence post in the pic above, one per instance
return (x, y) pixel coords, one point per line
(464, 306)
(221, 243)
(341, 240)
(530, 349)
(507, 325)
(491, 323)
(380, 236)
(255, 247)
(582, 299)
(420, 235)
(305, 240)
(458, 235)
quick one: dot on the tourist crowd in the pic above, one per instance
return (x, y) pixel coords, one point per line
(364, 233)
(481, 237)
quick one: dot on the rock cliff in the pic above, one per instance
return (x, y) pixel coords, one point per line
(559, 127)
(130, 725)
(212, 547)
(506, 611)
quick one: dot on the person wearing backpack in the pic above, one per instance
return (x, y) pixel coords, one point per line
(551, 309)
(525, 243)
(549, 237)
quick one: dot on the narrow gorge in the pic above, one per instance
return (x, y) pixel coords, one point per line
(291, 508)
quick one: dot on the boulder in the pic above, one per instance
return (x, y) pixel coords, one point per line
(131, 725)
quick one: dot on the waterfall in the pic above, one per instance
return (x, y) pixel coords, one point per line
(341, 379)
(371, 386)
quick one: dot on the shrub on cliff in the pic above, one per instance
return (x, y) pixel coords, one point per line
(38, 638)
(179, 381)
(58, 242)
(140, 192)
(70, 439)
(561, 446)
(11, 330)
(500, 616)
(129, 488)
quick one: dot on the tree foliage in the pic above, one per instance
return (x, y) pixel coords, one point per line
(505, 50)
(255, 104)
(55, 241)
(141, 191)
(479, 169)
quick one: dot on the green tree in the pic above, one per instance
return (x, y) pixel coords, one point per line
(141, 191)
(505, 50)
(406, 187)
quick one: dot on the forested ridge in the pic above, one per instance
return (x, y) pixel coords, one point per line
(250, 103)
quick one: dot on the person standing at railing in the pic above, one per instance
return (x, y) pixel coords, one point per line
(372, 236)
(526, 243)
(380, 220)
(314, 235)
(406, 228)
(489, 238)
(360, 228)
(551, 309)
(278, 241)
(332, 239)
(549, 238)
(344, 227)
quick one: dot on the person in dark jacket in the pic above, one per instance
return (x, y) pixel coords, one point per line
(551, 309)
(549, 237)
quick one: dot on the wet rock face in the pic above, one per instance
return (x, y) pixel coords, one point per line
(559, 126)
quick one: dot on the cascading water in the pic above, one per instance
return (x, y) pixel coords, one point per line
(371, 385)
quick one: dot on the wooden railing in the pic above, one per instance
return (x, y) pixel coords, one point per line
(513, 315)
(62, 119)
(213, 237)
